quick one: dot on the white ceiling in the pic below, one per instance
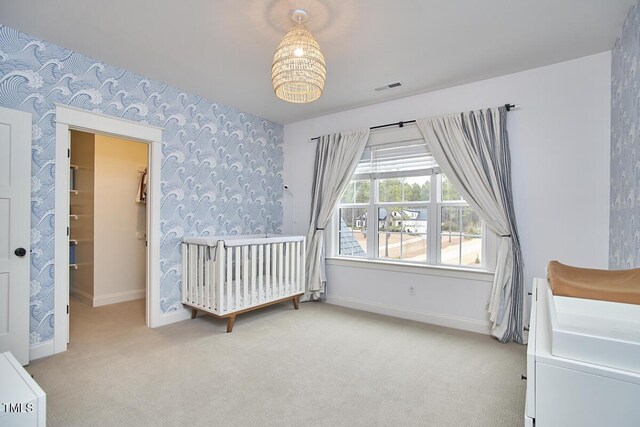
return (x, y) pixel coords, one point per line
(222, 49)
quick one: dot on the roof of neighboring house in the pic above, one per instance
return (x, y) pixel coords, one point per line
(420, 214)
(410, 214)
(348, 243)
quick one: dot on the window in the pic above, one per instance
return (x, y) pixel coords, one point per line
(399, 206)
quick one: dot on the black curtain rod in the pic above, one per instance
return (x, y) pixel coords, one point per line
(509, 107)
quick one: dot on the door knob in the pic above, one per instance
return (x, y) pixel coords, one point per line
(20, 252)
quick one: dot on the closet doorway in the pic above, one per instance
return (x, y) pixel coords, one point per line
(107, 224)
(69, 119)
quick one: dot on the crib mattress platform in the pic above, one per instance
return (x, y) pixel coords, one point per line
(231, 317)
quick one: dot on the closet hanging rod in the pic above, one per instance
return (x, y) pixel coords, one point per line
(509, 107)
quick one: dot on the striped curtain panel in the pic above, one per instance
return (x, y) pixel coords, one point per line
(472, 149)
(337, 156)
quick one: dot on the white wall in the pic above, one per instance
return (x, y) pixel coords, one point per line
(120, 255)
(560, 169)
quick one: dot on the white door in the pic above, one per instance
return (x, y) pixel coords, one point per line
(15, 189)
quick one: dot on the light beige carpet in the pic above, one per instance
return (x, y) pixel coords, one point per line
(320, 366)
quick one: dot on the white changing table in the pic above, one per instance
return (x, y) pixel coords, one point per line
(22, 401)
(566, 392)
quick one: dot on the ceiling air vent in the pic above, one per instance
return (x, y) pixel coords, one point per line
(387, 86)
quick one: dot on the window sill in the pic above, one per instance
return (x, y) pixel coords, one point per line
(427, 270)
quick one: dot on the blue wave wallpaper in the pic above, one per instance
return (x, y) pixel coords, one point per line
(624, 220)
(221, 168)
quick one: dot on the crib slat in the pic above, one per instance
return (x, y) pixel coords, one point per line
(280, 268)
(207, 276)
(254, 297)
(287, 267)
(238, 277)
(201, 282)
(203, 274)
(193, 263)
(229, 289)
(245, 276)
(185, 273)
(276, 273)
(212, 277)
(191, 272)
(194, 282)
(294, 257)
(260, 273)
(200, 267)
(274, 270)
(220, 265)
(294, 265)
(297, 266)
(267, 273)
(198, 275)
(215, 277)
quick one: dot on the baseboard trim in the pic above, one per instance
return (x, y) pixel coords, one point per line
(176, 316)
(41, 350)
(455, 322)
(82, 296)
(117, 297)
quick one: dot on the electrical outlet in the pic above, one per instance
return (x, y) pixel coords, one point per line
(412, 290)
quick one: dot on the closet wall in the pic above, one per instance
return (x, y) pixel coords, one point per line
(81, 221)
(120, 221)
(107, 221)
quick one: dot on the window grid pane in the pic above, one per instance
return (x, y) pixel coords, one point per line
(390, 190)
(417, 189)
(448, 192)
(361, 191)
(347, 196)
(404, 189)
(461, 240)
(402, 233)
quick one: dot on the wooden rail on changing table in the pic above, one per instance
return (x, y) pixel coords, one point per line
(231, 317)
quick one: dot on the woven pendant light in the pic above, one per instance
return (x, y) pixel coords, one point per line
(298, 72)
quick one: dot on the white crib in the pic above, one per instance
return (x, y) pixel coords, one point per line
(229, 275)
